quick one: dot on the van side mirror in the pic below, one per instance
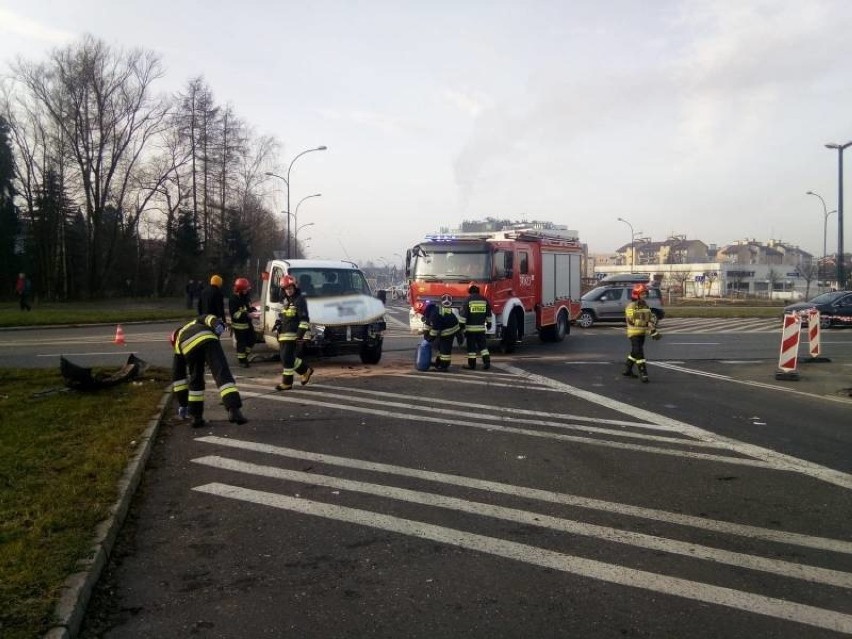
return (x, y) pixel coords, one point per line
(382, 295)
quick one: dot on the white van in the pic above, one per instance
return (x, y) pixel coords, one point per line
(345, 315)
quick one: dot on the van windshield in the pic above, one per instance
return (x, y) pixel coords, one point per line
(452, 263)
(328, 282)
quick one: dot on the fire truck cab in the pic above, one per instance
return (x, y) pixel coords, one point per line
(531, 278)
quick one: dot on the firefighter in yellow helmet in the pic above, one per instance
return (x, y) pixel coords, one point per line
(641, 322)
(293, 322)
(240, 308)
(212, 300)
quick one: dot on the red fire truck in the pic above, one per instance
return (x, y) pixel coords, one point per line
(530, 276)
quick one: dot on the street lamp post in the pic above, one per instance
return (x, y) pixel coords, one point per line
(296, 217)
(287, 182)
(632, 246)
(296, 236)
(841, 278)
(825, 213)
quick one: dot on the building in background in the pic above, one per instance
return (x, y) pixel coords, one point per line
(744, 268)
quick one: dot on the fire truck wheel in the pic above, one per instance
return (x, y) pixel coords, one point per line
(558, 331)
(510, 335)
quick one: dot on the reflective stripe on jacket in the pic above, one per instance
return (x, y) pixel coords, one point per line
(239, 306)
(294, 318)
(475, 314)
(442, 322)
(640, 319)
(196, 332)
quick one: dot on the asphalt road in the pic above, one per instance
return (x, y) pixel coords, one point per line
(548, 497)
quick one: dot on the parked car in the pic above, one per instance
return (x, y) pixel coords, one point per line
(607, 302)
(835, 309)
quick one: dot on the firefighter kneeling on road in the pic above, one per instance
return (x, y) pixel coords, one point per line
(196, 344)
(293, 322)
(443, 325)
(239, 306)
(475, 320)
(641, 322)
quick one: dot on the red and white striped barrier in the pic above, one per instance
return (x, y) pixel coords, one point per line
(789, 348)
(813, 332)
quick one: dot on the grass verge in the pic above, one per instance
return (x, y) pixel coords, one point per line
(61, 456)
(112, 312)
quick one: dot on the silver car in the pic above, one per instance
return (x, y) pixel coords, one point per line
(607, 303)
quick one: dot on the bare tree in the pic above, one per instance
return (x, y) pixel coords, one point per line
(808, 271)
(101, 102)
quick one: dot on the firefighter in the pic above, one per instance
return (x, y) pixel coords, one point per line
(239, 306)
(443, 326)
(475, 320)
(293, 322)
(212, 301)
(196, 344)
(641, 322)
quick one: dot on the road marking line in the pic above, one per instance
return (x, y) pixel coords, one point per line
(612, 573)
(293, 398)
(512, 419)
(528, 518)
(420, 400)
(565, 499)
(774, 459)
(746, 382)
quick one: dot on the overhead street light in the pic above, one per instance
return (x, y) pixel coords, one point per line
(296, 236)
(841, 277)
(826, 213)
(287, 182)
(632, 238)
(296, 218)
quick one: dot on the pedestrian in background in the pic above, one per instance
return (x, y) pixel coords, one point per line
(196, 344)
(191, 292)
(212, 300)
(292, 325)
(475, 320)
(22, 290)
(641, 322)
(240, 308)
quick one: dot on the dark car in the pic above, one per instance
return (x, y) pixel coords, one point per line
(835, 309)
(606, 303)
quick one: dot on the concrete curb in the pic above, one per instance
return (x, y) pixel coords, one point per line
(77, 590)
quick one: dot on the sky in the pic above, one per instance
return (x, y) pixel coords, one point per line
(702, 118)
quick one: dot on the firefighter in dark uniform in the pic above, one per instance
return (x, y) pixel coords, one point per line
(196, 344)
(212, 301)
(443, 325)
(475, 320)
(293, 322)
(239, 307)
(641, 322)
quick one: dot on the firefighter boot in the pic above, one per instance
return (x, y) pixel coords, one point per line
(198, 422)
(471, 363)
(643, 373)
(306, 376)
(628, 368)
(286, 383)
(486, 362)
(235, 416)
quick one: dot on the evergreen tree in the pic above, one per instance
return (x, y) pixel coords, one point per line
(8, 212)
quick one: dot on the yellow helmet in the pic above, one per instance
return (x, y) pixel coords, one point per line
(216, 280)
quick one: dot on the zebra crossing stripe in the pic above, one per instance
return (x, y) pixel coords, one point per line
(589, 568)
